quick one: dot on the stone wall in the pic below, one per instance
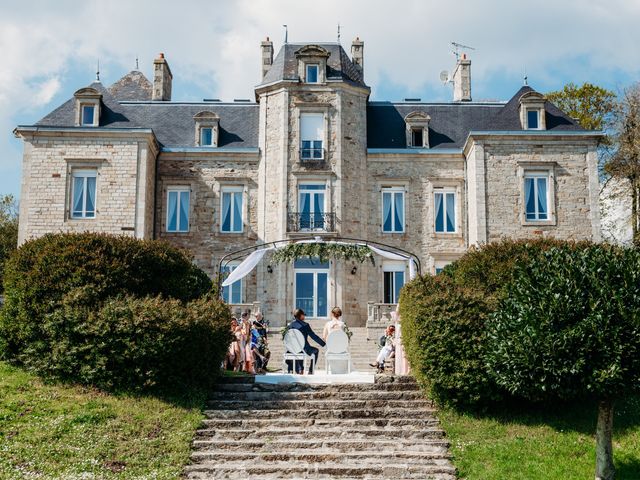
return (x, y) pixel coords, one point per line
(46, 184)
(574, 175)
(205, 174)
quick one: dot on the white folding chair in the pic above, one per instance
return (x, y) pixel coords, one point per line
(337, 350)
(294, 350)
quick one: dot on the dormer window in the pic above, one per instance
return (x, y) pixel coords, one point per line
(312, 73)
(88, 112)
(88, 101)
(312, 63)
(532, 111)
(206, 136)
(417, 130)
(533, 119)
(417, 137)
(206, 129)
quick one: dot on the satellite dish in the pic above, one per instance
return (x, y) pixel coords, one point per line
(444, 76)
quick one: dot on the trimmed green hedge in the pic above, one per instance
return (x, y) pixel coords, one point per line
(443, 334)
(115, 312)
(444, 319)
(569, 326)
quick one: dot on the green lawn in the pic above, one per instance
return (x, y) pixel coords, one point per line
(543, 444)
(69, 432)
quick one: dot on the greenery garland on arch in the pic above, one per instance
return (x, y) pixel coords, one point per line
(324, 251)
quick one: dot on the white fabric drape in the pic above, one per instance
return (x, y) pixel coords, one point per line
(249, 263)
(245, 268)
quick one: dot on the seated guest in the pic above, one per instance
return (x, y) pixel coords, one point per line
(335, 323)
(298, 323)
(387, 341)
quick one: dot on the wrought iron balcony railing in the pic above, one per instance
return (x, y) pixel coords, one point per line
(311, 222)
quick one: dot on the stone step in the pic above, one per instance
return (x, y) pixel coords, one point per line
(338, 413)
(347, 424)
(374, 446)
(318, 433)
(316, 456)
(317, 395)
(319, 404)
(383, 383)
(317, 470)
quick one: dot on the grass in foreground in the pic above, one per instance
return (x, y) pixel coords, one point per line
(70, 432)
(541, 444)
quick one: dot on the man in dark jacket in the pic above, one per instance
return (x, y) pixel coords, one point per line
(299, 324)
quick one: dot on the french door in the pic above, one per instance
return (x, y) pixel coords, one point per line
(312, 287)
(311, 200)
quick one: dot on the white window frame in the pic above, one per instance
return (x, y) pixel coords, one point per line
(84, 173)
(444, 191)
(315, 272)
(393, 190)
(393, 267)
(322, 116)
(93, 117)
(532, 174)
(312, 194)
(306, 72)
(538, 114)
(232, 190)
(213, 136)
(230, 267)
(178, 190)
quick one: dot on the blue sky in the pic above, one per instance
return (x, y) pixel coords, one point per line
(50, 49)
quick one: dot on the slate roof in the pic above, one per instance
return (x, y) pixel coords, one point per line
(125, 105)
(451, 123)
(171, 122)
(339, 65)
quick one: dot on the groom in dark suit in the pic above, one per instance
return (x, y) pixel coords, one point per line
(299, 324)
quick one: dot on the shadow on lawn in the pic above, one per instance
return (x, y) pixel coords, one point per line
(579, 416)
(628, 469)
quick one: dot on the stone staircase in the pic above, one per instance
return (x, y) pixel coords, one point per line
(363, 351)
(384, 430)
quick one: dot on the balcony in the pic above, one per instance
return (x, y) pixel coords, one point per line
(311, 222)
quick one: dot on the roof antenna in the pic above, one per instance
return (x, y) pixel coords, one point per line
(338, 33)
(526, 79)
(286, 34)
(457, 47)
(98, 72)
(137, 67)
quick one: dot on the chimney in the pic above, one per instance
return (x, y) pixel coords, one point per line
(462, 80)
(357, 54)
(267, 55)
(162, 78)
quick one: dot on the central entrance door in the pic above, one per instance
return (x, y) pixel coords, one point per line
(312, 286)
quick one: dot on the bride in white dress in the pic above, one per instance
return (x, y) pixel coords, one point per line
(335, 323)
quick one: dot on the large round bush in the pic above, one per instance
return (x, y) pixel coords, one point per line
(112, 311)
(443, 334)
(444, 319)
(569, 327)
(135, 343)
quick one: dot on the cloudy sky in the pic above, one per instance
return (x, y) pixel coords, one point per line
(49, 49)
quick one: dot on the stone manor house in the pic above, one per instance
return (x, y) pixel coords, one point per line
(311, 155)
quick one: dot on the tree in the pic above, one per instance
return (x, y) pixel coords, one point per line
(569, 328)
(8, 230)
(625, 160)
(591, 105)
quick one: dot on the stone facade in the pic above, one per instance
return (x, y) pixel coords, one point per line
(483, 165)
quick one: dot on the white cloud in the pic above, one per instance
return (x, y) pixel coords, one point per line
(214, 45)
